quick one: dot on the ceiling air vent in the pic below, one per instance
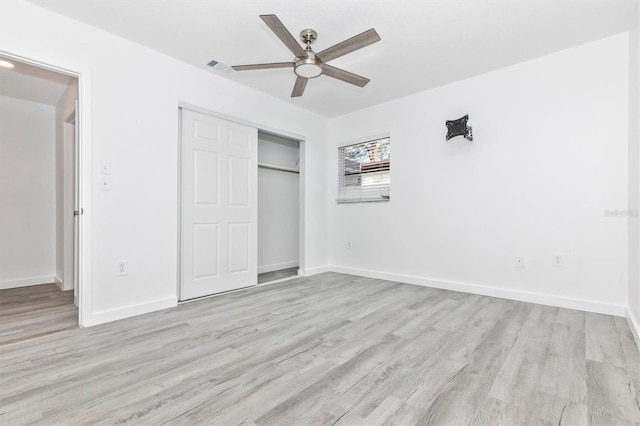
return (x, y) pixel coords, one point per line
(219, 66)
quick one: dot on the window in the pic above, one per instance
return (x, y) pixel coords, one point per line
(364, 171)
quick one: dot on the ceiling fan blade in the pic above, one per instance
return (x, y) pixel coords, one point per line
(354, 43)
(343, 75)
(298, 88)
(262, 66)
(284, 35)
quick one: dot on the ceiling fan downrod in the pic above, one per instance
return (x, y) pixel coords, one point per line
(308, 36)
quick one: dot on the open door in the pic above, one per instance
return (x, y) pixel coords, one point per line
(71, 166)
(219, 209)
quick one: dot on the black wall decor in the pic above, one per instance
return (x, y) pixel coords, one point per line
(459, 127)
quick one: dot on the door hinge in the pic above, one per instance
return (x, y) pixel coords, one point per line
(77, 213)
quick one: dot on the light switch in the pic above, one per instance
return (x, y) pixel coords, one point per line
(105, 184)
(105, 168)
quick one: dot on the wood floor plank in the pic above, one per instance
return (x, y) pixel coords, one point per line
(524, 363)
(565, 367)
(631, 353)
(612, 398)
(571, 318)
(266, 277)
(602, 340)
(326, 400)
(34, 311)
(328, 349)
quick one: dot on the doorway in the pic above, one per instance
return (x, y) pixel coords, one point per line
(278, 207)
(37, 233)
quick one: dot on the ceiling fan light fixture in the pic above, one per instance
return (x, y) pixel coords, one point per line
(308, 70)
(308, 67)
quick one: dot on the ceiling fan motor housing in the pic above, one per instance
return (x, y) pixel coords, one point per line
(308, 36)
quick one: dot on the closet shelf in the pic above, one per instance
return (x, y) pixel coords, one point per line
(274, 167)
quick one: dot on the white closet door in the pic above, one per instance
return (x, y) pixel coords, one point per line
(219, 205)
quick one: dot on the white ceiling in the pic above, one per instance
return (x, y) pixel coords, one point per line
(425, 43)
(33, 84)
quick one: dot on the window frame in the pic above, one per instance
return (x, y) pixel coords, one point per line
(376, 193)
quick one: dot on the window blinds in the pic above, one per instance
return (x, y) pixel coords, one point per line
(364, 171)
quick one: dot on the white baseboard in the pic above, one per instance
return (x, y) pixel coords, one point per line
(61, 284)
(25, 282)
(314, 271)
(522, 296)
(277, 266)
(634, 325)
(132, 310)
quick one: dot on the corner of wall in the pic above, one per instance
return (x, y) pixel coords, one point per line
(634, 325)
(315, 271)
(633, 223)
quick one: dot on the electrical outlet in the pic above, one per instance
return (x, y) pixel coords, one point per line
(105, 183)
(557, 260)
(519, 262)
(122, 268)
(105, 168)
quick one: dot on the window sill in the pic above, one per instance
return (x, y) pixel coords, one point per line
(372, 200)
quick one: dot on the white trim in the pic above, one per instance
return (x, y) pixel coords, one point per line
(293, 277)
(85, 222)
(277, 267)
(26, 282)
(302, 228)
(61, 284)
(356, 141)
(267, 129)
(222, 293)
(179, 204)
(314, 271)
(132, 310)
(634, 325)
(235, 290)
(522, 296)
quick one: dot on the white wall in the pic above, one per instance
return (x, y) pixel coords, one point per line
(64, 188)
(27, 193)
(549, 157)
(634, 179)
(278, 204)
(135, 93)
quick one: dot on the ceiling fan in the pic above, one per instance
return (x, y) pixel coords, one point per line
(308, 64)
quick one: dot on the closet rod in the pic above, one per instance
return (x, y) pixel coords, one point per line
(272, 167)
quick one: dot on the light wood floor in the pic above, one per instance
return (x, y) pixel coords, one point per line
(331, 349)
(35, 311)
(266, 277)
